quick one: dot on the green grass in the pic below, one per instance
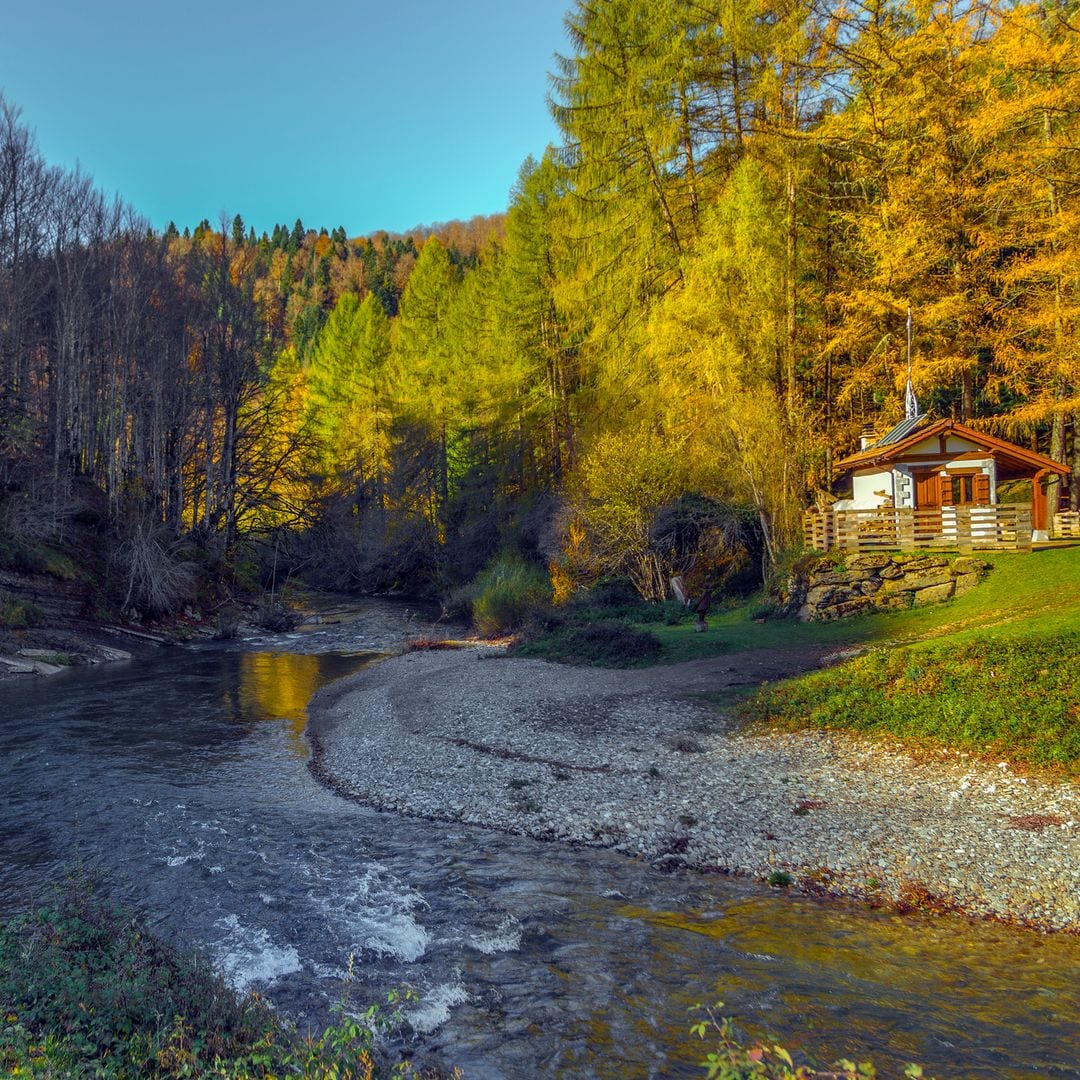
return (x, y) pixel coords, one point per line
(1023, 594)
(1006, 697)
(993, 671)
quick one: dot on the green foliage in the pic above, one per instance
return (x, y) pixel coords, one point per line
(18, 614)
(639, 612)
(347, 403)
(30, 557)
(732, 1057)
(1019, 698)
(603, 626)
(86, 991)
(507, 593)
(90, 977)
(604, 644)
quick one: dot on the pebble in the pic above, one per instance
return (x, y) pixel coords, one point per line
(548, 751)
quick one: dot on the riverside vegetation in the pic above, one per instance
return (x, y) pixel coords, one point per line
(644, 367)
(87, 991)
(990, 672)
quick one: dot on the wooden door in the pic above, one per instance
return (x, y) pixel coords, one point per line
(927, 489)
(927, 502)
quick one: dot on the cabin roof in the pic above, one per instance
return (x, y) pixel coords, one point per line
(1013, 460)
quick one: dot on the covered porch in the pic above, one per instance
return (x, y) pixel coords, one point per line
(941, 484)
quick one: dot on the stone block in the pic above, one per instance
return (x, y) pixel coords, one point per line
(892, 601)
(839, 577)
(868, 587)
(892, 572)
(827, 595)
(934, 594)
(966, 582)
(925, 562)
(968, 565)
(849, 607)
(927, 580)
(868, 562)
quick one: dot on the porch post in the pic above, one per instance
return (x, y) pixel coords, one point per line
(1038, 500)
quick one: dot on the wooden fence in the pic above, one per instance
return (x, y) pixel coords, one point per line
(1066, 525)
(950, 528)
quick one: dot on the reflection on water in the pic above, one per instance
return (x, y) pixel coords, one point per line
(839, 980)
(279, 685)
(183, 776)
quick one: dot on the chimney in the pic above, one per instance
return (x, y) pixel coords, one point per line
(868, 437)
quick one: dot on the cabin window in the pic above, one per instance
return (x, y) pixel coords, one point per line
(963, 490)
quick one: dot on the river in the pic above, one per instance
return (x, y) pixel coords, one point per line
(182, 779)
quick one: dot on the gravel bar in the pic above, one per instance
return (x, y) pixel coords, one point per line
(637, 761)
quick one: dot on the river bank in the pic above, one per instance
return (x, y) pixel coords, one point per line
(640, 762)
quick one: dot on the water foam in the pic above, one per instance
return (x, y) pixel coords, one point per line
(374, 911)
(434, 1007)
(506, 938)
(247, 955)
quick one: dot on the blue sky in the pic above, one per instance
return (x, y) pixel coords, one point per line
(368, 115)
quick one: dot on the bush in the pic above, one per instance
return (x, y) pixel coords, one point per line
(507, 593)
(609, 593)
(85, 990)
(18, 614)
(158, 579)
(733, 1057)
(273, 615)
(605, 644)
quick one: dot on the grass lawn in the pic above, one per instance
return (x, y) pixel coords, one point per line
(996, 671)
(1024, 594)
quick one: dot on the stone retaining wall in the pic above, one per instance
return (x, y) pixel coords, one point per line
(824, 589)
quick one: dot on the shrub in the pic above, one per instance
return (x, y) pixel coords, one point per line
(507, 593)
(157, 577)
(617, 599)
(610, 593)
(275, 616)
(18, 614)
(606, 644)
(85, 990)
(733, 1057)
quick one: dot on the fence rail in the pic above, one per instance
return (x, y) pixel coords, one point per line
(950, 528)
(1066, 525)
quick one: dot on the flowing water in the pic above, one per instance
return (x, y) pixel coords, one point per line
(183, 777)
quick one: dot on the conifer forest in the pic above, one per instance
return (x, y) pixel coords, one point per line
(688, 310)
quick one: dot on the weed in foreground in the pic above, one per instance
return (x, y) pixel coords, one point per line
(85, 990)
(730, 1057)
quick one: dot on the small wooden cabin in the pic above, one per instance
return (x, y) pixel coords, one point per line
(939, 467)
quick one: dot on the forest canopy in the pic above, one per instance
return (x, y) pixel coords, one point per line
(701, 293)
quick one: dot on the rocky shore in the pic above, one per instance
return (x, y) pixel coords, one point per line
(641, 762)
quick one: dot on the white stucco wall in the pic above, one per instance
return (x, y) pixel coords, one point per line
(866, 486)
(955, 445)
